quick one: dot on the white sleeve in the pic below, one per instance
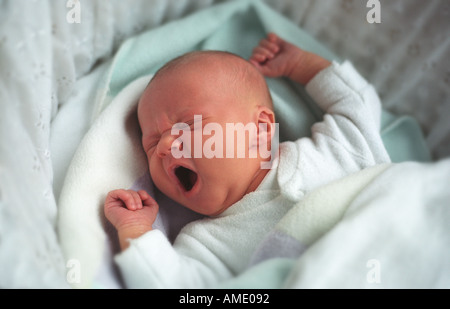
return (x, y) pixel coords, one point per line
(152, 262)
(352, 112)
(346, 141)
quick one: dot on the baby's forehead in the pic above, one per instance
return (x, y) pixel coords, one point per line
(220, 68)
(216, 63)
(224, 72)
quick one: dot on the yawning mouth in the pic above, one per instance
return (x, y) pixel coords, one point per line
(187, 177)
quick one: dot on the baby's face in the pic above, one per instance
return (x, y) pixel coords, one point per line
(199, 99)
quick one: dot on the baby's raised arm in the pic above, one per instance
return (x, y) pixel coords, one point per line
(348, 137)
(132, 213)
(275, 57)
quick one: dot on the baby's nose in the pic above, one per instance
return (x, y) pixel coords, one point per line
(167, 144)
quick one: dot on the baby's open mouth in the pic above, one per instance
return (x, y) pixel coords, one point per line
(187, 177)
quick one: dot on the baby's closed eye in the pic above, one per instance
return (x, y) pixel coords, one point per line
(150, 144)
(153, 144)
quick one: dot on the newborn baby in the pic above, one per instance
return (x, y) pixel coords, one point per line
(206, 90)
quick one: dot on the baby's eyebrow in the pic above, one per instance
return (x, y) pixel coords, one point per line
(190, 121)
(195, 118)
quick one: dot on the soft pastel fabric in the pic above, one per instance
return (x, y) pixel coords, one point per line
(50, 80)
(110, 155)
(384, 227)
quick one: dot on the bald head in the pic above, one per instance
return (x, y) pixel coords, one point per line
(234, 73)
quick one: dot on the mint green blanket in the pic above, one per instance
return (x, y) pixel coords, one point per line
(237, 27)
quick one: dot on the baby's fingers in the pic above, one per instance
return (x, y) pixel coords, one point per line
(271, 46)
(261, 54)
(137, 201)
(147, 200)
(129, 198)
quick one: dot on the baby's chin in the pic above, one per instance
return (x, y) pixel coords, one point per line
(209, 204)
(206, 209)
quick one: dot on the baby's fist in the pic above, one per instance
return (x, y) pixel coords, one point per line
(274, 57)
(130, 209)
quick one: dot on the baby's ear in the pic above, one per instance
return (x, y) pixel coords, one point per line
(266, 126)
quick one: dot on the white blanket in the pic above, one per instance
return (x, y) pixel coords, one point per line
(384, 227)
(403, 237)
(49, 76)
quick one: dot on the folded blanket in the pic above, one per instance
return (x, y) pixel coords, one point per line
(318, 213)
(110, 155)
(384, 227)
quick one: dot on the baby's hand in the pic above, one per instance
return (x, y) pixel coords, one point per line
(131, 213)
(275, 57)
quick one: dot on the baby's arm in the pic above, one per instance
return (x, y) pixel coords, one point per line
(349, 134)
(131, 213)
(150, 260)
(275, 57)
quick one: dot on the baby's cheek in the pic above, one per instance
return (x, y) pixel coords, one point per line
(155, 170)
(159, 177)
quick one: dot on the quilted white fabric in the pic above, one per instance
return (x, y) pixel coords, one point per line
(49, 68)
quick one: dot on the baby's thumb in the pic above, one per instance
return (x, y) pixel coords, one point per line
(262, 68)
